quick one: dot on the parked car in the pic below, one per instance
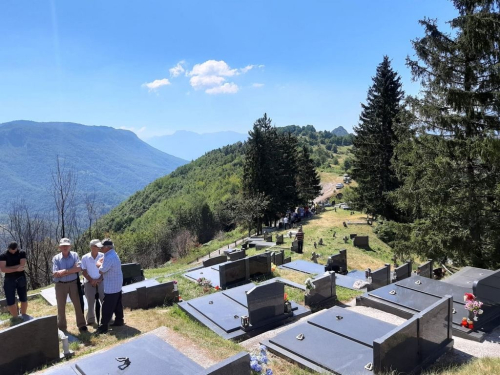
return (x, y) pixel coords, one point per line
(340, 185)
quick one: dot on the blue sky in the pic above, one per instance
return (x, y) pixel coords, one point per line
(109, 62)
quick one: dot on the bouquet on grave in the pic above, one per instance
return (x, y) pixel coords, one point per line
(309, 285)
(259, 362)
(473, 305)
(273, 267)
(204, 282)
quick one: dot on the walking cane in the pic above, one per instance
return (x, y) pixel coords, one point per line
(97, 307)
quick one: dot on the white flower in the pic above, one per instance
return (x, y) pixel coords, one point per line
(475, 318)
(480, 311)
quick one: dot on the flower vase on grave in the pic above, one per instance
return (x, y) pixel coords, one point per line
(471, 315)
(288, 307)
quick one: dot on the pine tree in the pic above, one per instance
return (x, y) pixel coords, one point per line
(374, 143)
(308, 181)
(451, 166)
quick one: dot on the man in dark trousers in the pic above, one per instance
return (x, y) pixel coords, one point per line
(111, 269)
(300, 240)
(12, 263)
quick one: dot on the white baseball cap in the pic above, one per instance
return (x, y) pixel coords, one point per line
(65, 242)
(96, 243)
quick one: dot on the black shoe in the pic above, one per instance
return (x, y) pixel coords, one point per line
(100, 331)
(83, 329)
(118, 324)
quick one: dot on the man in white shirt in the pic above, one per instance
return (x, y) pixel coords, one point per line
(94, 287)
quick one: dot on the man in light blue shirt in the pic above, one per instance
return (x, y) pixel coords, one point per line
(65, 268)
(110, 267)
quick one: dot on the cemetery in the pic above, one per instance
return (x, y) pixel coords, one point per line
(228, 274)
(345, 342)
(412, 295)
(244, 311)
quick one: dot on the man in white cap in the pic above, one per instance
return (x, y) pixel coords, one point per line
(94, 287)
(65, 267)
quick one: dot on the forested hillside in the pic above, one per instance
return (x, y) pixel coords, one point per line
(195, 201)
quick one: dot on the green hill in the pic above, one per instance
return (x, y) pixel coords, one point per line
(113, 163)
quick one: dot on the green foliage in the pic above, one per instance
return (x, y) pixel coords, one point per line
(450, 163)
(374, 143)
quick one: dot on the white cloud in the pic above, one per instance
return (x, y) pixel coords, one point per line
(257, 85)
(247, 68)
(261, 66)
(199, 82)
(226, 88)
(213, 67)
(156, 84)
(178, 69)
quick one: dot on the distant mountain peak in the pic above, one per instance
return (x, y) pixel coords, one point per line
(340, 131)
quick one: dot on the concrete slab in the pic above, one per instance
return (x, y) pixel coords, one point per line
(305, 267)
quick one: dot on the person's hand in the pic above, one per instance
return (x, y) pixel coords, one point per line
(99, 263)
(93, 283)
(60, 273)
(20, 268)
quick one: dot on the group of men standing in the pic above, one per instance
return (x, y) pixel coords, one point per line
(103, 279)
(101, 268)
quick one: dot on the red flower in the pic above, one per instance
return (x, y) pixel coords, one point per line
(286, 297)
(469, 297)
(217, 287)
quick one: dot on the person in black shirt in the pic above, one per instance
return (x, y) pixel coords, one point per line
(12, 263)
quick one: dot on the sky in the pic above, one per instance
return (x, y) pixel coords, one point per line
(155, 67)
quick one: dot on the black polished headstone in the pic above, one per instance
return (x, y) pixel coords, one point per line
(434, 287)
(259, 265)
(403, 271)
(380, 277)
(27, 346)
(238, 364)
(425, 270)
(404, 297)
(214, 260)
(265, 302)
(233, 272)
(236, 255)
(487, 289)
(324, 290)
(361, 241)
(435, 327)
(337, 262)
(132, 273)
(279, 257)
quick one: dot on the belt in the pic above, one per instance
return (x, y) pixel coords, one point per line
(66, 282)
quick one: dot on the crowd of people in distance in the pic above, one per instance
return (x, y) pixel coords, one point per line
(102, 287)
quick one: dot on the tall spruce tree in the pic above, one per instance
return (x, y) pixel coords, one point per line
(451, 166)
(308, 181)
(374, 144)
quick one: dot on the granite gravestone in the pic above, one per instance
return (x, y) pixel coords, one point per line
(268, 238)
(295, 246)
(425, 270)
(259, 265)
(236, 255)
(132, 273)
(279, 239)
(265, 302)
(215, 260)
(323, 292)
(150, 295)
(487, 289)
(361, 241)
(279, 257)
(337, 262)
(404, 271)
(29, 345)
(233, 273)
(380, 277)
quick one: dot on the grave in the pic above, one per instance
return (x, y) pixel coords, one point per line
(295, 246)
(280, 240)
(425, 270)
(230, 274)
(277, 257)
(29, 345)
(337, 262)
(149, 296)
(243, 311)
(324, 291)
(268, 238)
(132, 273)
(402, 272)
(215, 260)
(341, 341)
(380, 277)
(361, 241)
(238, 254)
(412, 295)
(148, 354)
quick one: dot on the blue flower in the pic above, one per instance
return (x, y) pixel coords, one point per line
(269, 372)
(263, 348)
(253, 358)
(255, 366)
(264, 359)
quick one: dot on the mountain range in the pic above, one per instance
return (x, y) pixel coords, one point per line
(189, 145)
(114, 163)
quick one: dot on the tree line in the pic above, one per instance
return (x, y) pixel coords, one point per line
(429, 164)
